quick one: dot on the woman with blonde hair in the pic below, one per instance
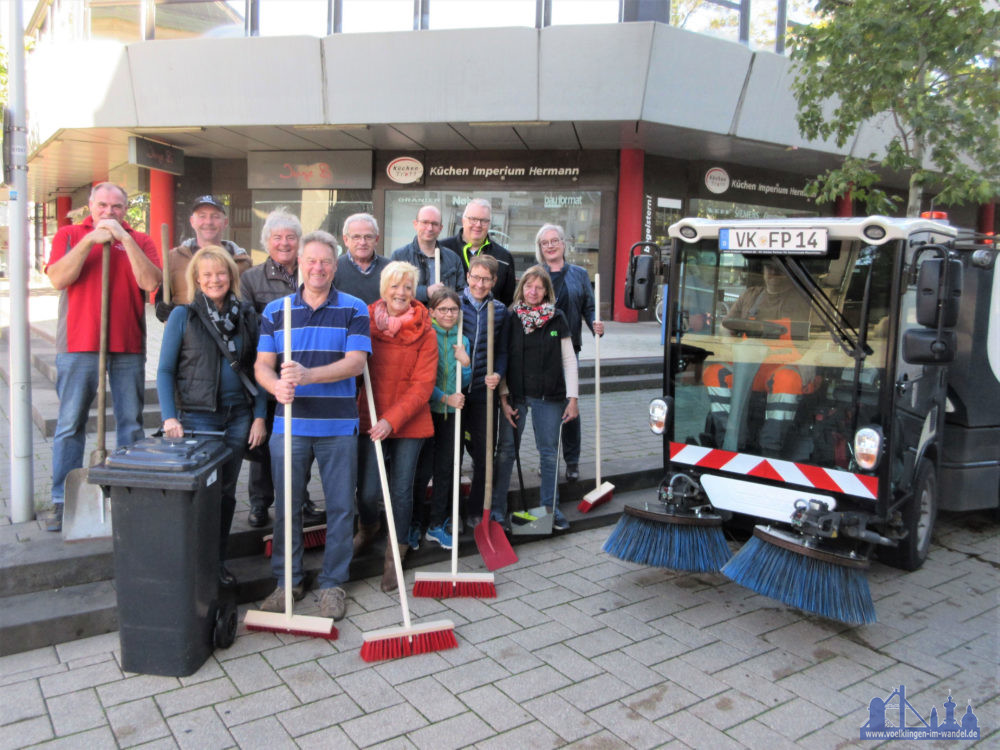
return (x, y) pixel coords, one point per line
(403, 367)
(205, 376)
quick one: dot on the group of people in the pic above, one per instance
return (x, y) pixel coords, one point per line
(417, 320)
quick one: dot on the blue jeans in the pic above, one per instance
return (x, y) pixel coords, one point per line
(234, 421)
(401, 456)
(337, 459)
(546, 417)
(76, 385)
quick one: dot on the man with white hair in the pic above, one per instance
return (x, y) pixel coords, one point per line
(474, 239)
(360, 268)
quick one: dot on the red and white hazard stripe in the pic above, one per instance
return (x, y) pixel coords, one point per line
(805, 475)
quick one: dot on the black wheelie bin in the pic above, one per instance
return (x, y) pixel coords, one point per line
(165, 496)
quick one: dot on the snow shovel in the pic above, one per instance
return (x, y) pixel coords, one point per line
(490, 539)
(86, 509)
(538, 521)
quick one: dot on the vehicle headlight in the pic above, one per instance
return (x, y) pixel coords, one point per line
(868, 447)
(658, 415)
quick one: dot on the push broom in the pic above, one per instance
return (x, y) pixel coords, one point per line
(603, 491)
(393, 643)
(277, 622)
(455, 584)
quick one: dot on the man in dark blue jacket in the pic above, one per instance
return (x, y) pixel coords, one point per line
(421, 253)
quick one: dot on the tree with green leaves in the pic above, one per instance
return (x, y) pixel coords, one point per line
(926, 71)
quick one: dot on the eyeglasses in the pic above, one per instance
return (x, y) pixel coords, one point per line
(550, 243)
(475, 220)
(446, 310)
(359, 237)
(480, 279)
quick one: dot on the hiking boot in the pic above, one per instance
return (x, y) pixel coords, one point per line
(389, 582)
(439, 535)
(413, 538)
(311, 515)
(275, 601)
(364, 538)
(572, 472)
(332, 604)
(56, 519)
(258, 517)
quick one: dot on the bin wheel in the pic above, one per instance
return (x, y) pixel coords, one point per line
(225, 625)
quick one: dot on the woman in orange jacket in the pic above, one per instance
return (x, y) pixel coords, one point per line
(403, 368)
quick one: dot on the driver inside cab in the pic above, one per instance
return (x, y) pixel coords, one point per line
(772, 317)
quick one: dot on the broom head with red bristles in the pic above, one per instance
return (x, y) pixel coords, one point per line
(395, 643)
(457, 586)
(279, 622)
(597, 496)
(312, 537)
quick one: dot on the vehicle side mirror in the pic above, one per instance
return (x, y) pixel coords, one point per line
(926, 347)
(929, 283)
(639, 281)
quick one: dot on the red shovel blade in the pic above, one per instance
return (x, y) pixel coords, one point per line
(493, 544)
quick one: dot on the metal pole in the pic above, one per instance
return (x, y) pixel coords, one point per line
(781, 27)
(22, 487)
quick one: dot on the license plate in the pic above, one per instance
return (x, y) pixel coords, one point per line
(750, 240)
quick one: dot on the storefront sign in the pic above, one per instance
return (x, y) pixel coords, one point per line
(153, 155)
(717, 180)
(405, 170)
(503, 171)
(310, 169)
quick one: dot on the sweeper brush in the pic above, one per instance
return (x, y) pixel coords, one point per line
(795, 570)
(686, 541)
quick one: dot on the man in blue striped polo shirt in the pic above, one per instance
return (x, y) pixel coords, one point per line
(330, 345)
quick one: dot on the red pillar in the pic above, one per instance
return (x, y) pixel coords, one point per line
(845, 206)
(630, 193)
(161, 206)
(64, 204)
(987, 218)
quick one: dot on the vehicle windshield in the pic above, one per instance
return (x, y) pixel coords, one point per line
(756, 367)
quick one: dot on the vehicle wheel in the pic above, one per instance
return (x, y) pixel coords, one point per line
(225, 624)
(919, 516)
(659, 309)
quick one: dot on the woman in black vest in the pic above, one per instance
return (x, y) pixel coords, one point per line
(541, 377)
(205, 377)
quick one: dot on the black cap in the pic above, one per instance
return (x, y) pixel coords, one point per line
(207, 200)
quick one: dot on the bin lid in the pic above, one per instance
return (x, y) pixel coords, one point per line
(162, 454)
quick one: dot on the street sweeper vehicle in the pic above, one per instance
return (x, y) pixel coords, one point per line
(836, 382)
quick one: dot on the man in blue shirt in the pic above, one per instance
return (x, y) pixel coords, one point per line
(330, 345)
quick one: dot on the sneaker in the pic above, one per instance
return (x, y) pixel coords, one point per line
(572, 472)
(275, 601)
(56, 519)
(560, 522)
(439, 535)
(332, 604)
(413, 538)
(311, 515)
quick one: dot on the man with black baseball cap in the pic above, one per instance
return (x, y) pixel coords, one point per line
(208, 220)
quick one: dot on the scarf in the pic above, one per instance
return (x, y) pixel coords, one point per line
(390, 325)
(227, 321)
(534, 317)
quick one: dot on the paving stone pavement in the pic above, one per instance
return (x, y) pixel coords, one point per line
(579, 649)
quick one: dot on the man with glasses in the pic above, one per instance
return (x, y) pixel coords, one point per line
(474, 241)
(420, 253)
(360, 268)
(74, 268)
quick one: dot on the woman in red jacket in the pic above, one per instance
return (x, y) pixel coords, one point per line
(403, 368)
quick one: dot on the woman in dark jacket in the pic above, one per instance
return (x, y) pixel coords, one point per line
(198, 387)
(541, 377)
(575, 297)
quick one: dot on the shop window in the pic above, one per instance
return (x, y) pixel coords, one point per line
(316, 209)
(709, 209)
(517, 217)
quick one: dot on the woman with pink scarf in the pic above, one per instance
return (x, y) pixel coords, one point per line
(403, 368)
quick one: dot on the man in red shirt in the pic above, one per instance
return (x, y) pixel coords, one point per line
(74, 267)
